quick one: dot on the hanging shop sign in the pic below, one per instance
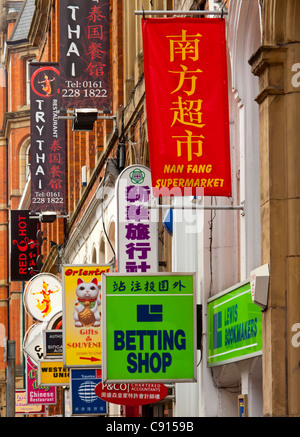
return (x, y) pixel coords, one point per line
(82, 339)
(47, 150)
(132, 394)
(35, 394)
(234, 326)
(84, 400)
(52, 341)
(187, 105)
(52, 372)
(42, 296)
(137, 228)
(84, 54)
(24, 248)
(21, 406)
(149, 331)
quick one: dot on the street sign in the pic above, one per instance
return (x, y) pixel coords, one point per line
(52, 372)
(132, 394)
(84, 400)
(82, 339)
(37, 395)
(23, 408)
(234, 326)
(42, 296)
(52, 342)
(149, 327)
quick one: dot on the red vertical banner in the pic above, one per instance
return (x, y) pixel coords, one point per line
(47, 150)
(84, 54)
(187, 105)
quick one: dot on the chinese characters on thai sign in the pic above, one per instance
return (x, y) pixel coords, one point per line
(84, 54)
(187, 105)
(149, 327)
(24, 247)
(47, 149)
(137, 234)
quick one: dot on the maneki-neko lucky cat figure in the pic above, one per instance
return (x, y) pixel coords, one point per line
(86, 309)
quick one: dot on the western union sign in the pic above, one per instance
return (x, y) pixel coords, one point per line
(52, 373)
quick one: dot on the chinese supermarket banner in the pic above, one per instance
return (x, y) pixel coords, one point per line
(47, 149)
(84, 51)
(187, 105)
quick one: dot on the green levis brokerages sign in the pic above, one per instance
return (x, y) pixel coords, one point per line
(148, 328)
(234, 326)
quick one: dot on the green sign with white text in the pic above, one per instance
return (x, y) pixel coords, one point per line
(148, 327)
(234, 326)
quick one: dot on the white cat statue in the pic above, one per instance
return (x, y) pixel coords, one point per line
(86, 308)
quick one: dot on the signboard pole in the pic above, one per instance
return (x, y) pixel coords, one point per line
(10, 385)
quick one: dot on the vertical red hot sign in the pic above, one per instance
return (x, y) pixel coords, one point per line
(187, 105)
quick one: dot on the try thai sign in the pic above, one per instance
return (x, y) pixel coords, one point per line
(47, 149)
(137, 229)
(84, 51)
(149, 327)
(24, 246)
(187, 105)
(234, 326)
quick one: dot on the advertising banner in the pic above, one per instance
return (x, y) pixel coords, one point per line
(149, 328)
(132, 394)
(82, 339)
(37, 395)
(84, 54)
(187, 105)
(43, 296)
(47, 150)
(84, 400)
(234, 326)
(51, 372)
(22, 407)
(136, 227)
(24, 247)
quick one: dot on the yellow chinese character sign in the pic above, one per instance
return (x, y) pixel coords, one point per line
(187, 105)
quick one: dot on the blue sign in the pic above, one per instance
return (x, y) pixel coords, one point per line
(84, 400)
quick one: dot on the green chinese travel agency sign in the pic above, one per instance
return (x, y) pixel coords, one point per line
(149, 327)
(234, 326)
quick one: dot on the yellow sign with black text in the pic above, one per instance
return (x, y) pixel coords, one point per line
(52, 372)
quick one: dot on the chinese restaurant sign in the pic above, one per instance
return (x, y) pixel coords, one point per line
(84, 52)
(82, 338)
(137, 229)
(149, 328)
(24, 247)
(187, 105)
(234, 326)
(47, 149)
(22, 407)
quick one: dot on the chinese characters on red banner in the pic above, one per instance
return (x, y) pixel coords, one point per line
(187, 105)
(84, 54)
(47, 149)
(137, 233)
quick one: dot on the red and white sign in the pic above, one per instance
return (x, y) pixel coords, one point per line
(131, 394)
(186, 88)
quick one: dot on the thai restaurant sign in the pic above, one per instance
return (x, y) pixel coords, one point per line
(137, 227)
(187, 105)
(82, 339)
(47, 149)
(84, 52)
(24, 247)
